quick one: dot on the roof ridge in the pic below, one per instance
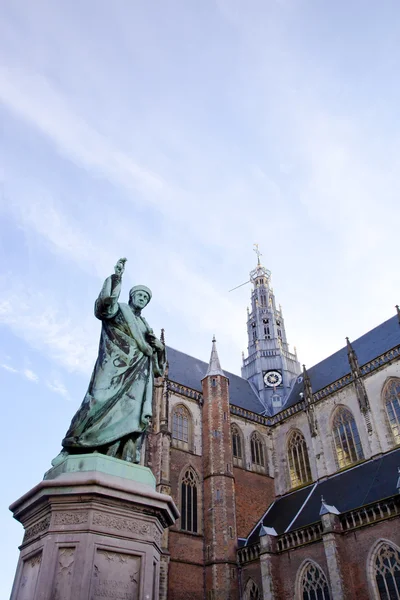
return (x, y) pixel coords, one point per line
(206, 363)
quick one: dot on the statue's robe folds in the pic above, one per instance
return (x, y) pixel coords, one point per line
(119, 397)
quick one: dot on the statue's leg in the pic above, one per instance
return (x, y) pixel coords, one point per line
(139, 444)
(129, 451)
(113, 449)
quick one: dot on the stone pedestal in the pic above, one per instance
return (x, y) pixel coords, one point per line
(93, 531)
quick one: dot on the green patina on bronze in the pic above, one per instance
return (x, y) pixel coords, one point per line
(117, 408)
(100, 463)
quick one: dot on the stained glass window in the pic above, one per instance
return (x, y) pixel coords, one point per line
(180, 424)
(189, 502)
(236, 441)
(257, 450)
(299, 464)
(387, 572)
(346, 438)
(252, 592)
(314, 585)
(391, 395)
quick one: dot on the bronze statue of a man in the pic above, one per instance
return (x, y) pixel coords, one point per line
(117, 408)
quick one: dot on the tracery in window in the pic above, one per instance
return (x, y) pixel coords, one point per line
(181, 427)
(257, 450)
(346, 438)
(252, 592)
(391, 397)
(386, 572)
(313, 583)
(236, 441)
(189, 502)
(299, 464)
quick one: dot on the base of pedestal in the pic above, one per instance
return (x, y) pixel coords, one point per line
(82, 463)
(91, 535)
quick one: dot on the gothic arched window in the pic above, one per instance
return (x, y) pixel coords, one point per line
(257, 450)
(386, 571)
(346, 438)
(237, 444)
(181, 427)
(189, 499)
(299, 464)
(313, 583)
(252, 592)
(391, 398)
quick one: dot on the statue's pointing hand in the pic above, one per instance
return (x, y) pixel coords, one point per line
(120, 267)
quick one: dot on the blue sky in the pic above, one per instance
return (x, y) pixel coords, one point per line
(178, 134)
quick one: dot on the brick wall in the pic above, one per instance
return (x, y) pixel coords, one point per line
(185, 582)
(354, 550)
(254, 493)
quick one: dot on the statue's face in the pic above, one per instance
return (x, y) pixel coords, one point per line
(140, 299)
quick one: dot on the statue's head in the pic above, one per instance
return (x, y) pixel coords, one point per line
(139, 296)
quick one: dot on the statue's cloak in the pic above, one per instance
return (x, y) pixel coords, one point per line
(120, 392)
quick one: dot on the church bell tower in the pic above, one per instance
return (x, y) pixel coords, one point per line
(269, 367)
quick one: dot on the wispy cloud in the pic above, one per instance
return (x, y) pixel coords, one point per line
(27, 373)
(32, 97)
(58, 387)
(194, 186)
(33, 316)
(9, 368)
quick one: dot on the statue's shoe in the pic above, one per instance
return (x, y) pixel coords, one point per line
(59, 458)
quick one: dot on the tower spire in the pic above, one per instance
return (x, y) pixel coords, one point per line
(269, 366)
(214, 366)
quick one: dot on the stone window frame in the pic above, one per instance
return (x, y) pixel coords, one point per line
(259, 468)
(299, 588)
(393, 422)
(350, 434)
(371, 567)
(251, 590)
(238, 461)
(178, 443)
(186, 468)
(306, 468)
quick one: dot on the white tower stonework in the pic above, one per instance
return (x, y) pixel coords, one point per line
(270, 367)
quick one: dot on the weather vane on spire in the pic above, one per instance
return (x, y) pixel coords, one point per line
(257, 251)
(259, 271)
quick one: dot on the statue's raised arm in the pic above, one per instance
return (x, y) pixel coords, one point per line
(117, 408)
(106, 305)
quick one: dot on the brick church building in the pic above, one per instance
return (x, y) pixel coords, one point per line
(287, 479)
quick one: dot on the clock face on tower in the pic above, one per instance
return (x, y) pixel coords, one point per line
(272, 378)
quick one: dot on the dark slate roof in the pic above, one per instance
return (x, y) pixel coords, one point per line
(363, 484)
(370, 345)
(189, 371)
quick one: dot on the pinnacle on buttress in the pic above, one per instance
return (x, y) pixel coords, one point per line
(214, 366)
(352, 356)
(327, 509)
(308, 393)
(398, 312)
